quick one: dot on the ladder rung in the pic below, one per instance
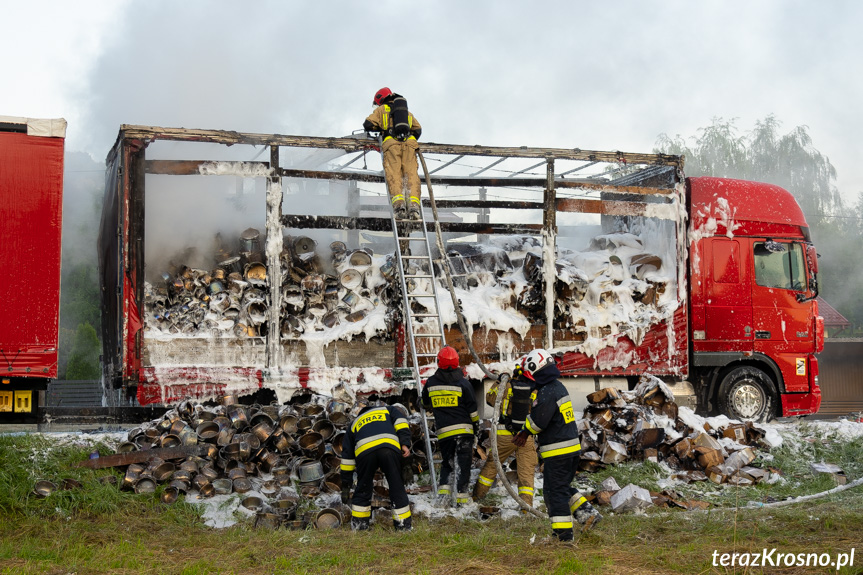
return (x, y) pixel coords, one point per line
(403, 239)
(415, 258)
(426, 355)
(425, 315)
(419, 276)
(421, 295)
(416, 335)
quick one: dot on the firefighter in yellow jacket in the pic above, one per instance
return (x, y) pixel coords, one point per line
(518, 395)
(400, 131)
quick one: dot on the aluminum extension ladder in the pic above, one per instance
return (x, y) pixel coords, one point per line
(412, 271)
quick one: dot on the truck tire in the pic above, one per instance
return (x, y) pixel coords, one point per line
(747, 393)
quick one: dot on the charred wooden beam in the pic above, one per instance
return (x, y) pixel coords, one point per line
(344, 176)
(481, 182)
(193, 168)
(385, 225)
(188, 167)
(477, 204)
(614, 208)
(350, 144)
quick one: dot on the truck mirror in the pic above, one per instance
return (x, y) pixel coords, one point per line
(812, 258)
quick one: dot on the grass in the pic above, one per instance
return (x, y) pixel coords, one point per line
(99, 529)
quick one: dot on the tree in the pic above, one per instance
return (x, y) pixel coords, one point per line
(79, 304)
(84, 358)
(789, 161)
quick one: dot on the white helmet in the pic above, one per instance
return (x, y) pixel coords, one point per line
(535, 361)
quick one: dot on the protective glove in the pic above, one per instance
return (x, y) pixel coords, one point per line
(520, 438)
(346, 495)
(475, 428)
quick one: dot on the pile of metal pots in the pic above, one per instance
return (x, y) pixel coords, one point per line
(273, 457)
(232, 300)
(319, 295)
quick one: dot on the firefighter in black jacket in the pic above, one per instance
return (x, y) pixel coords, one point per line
(551, 419)
(450, 396)
(377, 439)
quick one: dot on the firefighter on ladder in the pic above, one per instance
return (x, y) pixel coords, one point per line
(518, 395)
(551, 419)
(400, 130)
(450, 397)
(378, 438)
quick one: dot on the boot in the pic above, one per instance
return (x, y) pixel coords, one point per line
(403, 525)
(587, 516)
(400, 212)
(360, 523)
(414, 211)
(480, 490)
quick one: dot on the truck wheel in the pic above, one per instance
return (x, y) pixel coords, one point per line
(747, 393)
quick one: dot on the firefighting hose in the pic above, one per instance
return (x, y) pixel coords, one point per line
(463, 327)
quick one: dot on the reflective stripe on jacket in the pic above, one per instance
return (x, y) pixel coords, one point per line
(450, 396)
(374, 428)
(551, 417)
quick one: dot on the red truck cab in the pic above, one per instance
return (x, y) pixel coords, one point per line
(754, 327)
(31, 209)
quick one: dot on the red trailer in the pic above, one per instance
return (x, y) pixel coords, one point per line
(31, 209)
(701, 280)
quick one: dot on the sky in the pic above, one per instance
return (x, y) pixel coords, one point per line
(577, 74)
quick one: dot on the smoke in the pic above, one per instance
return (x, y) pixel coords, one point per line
(83, 186)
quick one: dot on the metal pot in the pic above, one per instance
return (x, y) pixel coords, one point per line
(351, 279)
(170, 440)
(164, 471)
(44, 488)
(129, 446)
(328, 519)
(360, 258)
(239, 451)
(304, 249)
(145, 485)
(242, 485)
(252, 502)
(325, 427)
(208, 431)
(169, 495)
(340, 420)
(312, 444)
(314, 410)
(231, 265)
(264, 429)
(310, 471)
(304, 424)
(238, 417)
(223, 486)
(229, 399)
(336, 442)
(267, 521)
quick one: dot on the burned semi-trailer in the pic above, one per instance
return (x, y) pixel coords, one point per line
(31, 209)
(236, 262)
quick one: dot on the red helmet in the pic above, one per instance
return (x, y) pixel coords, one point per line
(447, 358)
(382, 95)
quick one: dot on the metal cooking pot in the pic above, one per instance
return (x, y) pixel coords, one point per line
(328, 519)
(310, 471)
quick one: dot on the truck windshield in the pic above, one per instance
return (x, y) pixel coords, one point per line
(780, 265)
